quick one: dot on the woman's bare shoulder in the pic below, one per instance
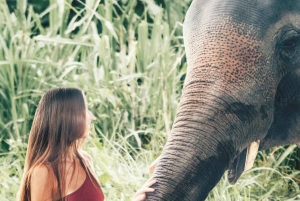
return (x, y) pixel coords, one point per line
(41, 171)
(41, 183)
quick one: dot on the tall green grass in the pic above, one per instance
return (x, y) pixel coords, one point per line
(129, 66)
(130, 63)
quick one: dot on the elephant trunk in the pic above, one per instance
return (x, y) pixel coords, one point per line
(226, 104)
(200, 147)
(211, 128)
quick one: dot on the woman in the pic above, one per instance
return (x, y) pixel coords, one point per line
(56, 168)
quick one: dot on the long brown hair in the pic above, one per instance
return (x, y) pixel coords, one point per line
(59, 121)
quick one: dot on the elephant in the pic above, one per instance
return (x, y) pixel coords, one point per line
(241, 94)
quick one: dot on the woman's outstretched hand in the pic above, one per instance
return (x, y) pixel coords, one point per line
(141, 193)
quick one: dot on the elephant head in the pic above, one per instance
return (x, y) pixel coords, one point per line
(241, 91)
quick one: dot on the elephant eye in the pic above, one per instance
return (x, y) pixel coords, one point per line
(289, 43)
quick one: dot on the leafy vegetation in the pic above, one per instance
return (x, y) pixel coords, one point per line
(128, 57)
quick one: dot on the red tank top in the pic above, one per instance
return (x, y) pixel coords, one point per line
(88, 191)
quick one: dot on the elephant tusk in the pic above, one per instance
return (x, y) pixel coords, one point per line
(251, 154)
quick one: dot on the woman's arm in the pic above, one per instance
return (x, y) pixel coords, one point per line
(141, 193)
(40, 184)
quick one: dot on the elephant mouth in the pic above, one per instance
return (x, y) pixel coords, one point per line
(243, 162)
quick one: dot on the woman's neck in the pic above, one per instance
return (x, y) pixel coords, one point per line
(70, 156)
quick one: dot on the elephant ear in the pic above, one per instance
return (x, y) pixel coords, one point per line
(236, 169)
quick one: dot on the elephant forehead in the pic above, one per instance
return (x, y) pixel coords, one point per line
(224, 50)
(291, 20)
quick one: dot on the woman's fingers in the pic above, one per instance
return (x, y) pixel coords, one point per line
(144, 190)
(150, 182)
(140, 197)
(141, 193)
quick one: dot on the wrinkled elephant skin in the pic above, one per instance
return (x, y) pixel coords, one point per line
(241, 93)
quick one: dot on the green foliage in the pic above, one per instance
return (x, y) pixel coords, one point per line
(133, 77)
(128, 57)
(129, 66)
(11, 169)
(270, 179)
